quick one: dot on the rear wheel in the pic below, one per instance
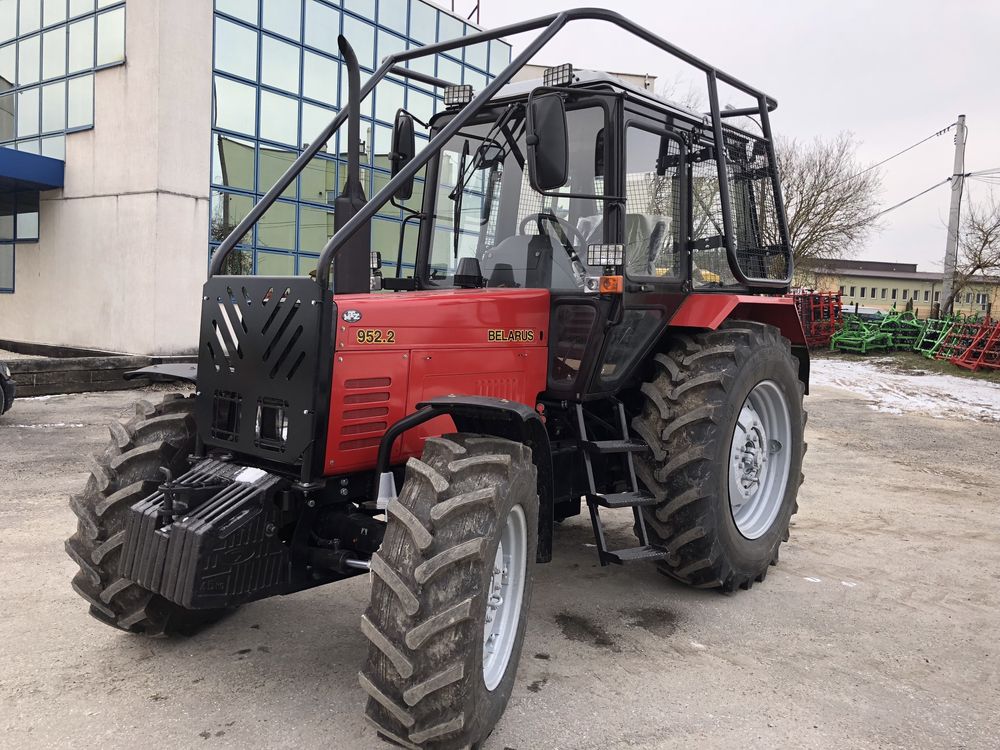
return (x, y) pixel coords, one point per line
(724, 421)
(128, 471)
(450, 591)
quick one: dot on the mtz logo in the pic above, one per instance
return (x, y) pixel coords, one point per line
(515, 335)
(351, 316)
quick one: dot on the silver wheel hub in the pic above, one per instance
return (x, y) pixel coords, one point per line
(759, 460)
(504, 595)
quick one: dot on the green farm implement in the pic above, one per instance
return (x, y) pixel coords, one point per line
(860, 336)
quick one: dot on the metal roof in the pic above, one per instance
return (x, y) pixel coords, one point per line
(937, 277)
(20, 170)
(521, 88)
(875, 274)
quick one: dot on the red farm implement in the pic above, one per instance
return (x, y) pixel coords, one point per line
(983, 349)
(821, 314)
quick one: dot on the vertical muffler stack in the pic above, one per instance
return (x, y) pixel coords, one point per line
(352, 265)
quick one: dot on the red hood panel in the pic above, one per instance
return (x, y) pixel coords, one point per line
(395, 350)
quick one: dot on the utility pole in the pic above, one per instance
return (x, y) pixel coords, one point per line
(955, 215)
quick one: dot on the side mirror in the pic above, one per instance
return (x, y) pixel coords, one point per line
(404, 148)
(548, 142)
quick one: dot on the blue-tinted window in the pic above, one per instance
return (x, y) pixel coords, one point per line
(283, 17)
(364, 8)
(392, 14)
(322, 26)
(279, 118)
(423, 22)
(6, 269)
(235, 106)
(235, 49)
(111, 37)
(265, 112)
(279, 64)
(8, 19)
(361, 36)
(54, 12)
(29, 60)
(81, 45)
(320, 78)
(48, 68)
(18, 223)
(30, 17)
(449, 28)
(80, 7)
(243, 9)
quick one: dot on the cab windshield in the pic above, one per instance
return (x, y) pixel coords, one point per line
(485, 208)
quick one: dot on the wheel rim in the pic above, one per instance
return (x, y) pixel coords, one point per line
(503, 598)
(760, 459)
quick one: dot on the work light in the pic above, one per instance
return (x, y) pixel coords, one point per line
(560, 75)
(457, 96)
(605, 255)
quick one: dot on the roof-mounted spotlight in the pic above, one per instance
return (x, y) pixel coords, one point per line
(456, 97)
(560, 75)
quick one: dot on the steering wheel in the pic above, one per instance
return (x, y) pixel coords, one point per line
(571, 233)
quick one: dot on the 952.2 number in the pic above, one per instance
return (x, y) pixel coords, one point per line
(374, 336)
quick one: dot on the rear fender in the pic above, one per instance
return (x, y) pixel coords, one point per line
(709, 311)
(488, 416)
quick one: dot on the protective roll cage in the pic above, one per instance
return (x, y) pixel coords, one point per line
(550, 25)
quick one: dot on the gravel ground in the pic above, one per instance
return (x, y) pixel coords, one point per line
(876, 630)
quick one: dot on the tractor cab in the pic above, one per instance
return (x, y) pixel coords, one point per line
(566, 177)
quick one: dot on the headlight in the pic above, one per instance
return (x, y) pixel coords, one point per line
(5, 371)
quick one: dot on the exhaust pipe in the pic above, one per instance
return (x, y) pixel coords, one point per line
(352, 265)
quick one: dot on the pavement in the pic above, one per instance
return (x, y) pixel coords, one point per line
(878, 629)
(9, 356)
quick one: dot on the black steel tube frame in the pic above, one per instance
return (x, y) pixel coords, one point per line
(550, 25)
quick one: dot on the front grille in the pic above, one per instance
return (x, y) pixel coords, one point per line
(258, 365)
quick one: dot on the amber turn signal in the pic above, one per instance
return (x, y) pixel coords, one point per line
(612, 284)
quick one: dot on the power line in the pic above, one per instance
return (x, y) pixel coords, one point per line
(988, 176)
(908, 148)
(911, 198)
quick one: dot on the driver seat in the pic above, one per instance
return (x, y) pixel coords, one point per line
(531, 261)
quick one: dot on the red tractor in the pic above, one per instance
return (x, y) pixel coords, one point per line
(591, 315)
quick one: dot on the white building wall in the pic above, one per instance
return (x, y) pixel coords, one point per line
(641, 81)
(122, 252)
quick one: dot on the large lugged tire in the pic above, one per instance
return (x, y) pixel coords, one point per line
(129, 470)
(724, 421)
(454, 569)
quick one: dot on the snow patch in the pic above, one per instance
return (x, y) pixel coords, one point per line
(894, 392)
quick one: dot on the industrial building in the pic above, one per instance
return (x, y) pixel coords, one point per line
(135, 134)
(884, 285)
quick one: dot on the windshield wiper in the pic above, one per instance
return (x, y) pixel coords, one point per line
(458, 194)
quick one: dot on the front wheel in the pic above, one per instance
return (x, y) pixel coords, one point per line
(450, 591)
(724, 422)
(128, 471)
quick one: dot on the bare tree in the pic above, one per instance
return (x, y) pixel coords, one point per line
(829, 198)
(978, 246)
(681, 90)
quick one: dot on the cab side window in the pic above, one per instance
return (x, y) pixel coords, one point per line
(653, 219)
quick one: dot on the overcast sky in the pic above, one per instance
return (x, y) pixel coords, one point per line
(890, 72)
